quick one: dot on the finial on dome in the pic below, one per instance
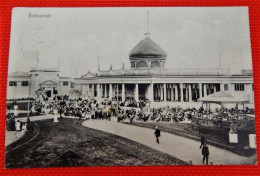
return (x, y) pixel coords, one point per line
(98, 64)
(147, 34)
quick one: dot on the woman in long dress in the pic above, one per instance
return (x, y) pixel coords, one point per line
(17, 125)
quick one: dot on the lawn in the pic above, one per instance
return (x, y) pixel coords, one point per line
(68, 143)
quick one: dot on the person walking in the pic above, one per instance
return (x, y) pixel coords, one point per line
(21, 125)
(205, 154)
(157, 134)
(202, 140)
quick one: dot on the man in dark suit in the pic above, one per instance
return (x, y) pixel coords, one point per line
(157, 134)
(202, 140)
(205, 153)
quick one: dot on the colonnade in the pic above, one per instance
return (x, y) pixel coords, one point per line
(187, 92)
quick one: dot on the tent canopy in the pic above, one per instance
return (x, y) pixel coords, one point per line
(222, 97)
(40, 91)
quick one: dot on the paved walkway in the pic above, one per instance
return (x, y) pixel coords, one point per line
(179, 147)
(12, 136)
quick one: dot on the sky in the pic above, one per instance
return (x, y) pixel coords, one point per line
(74, 38)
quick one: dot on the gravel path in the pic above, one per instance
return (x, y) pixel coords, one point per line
(177, 146)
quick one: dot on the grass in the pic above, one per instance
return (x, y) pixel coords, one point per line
(68, 143)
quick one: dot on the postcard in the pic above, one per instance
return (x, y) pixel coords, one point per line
(144, 86)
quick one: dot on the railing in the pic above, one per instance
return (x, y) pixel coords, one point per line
(243, 121)
(176, 71)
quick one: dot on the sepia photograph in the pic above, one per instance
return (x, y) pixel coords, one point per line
(147, 86)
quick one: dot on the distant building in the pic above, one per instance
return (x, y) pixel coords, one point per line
(146, 79)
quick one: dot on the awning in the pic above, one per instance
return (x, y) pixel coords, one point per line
(74, 91)
(222, 97)
(41, 90)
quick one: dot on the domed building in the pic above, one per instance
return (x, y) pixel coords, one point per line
(146, 79)
(147, 54)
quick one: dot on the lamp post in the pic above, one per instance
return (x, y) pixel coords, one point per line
(117, 96)
(28, 108)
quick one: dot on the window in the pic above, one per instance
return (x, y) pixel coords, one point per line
(65, 83)
(36, 74)
(252, 87)
(225, 87)
(25, 83)
(132, 65)
(13, 83)
(155, 64)
(239, 87)
(142, 64)
(72, 85)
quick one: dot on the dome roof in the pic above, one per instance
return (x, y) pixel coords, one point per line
(147, 48)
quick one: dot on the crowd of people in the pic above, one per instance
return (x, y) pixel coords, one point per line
(93, 109)
(17, 124)
(83, 109)
(129, 110)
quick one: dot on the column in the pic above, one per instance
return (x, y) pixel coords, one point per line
(98, 91)
(181, 89)
(222, 87)
(172, 93)
(136, 92)
(161, 92)
(149, 64)
(205, 90)
(176, 93)
(200, 90)
(93, 90)
(164, 92)
(101, 91)
(186, 92)
(117, 92)
(110, 91)
(87, 90)
(123, 92)
(151, 94)
(190, 93)
(105, 91)
(215, 88)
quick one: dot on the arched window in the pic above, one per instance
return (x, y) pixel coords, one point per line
(142, 64)
(155, 64)
(132, 65)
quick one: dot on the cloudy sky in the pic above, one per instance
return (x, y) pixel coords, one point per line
(203, 37)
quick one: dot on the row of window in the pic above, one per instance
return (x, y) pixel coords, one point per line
(145, 64)
(241, 87)
(237, 87)
(65, 83)
(26, 83)
(14, 83)
(38, 75)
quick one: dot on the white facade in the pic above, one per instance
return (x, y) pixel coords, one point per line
(147, 79)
